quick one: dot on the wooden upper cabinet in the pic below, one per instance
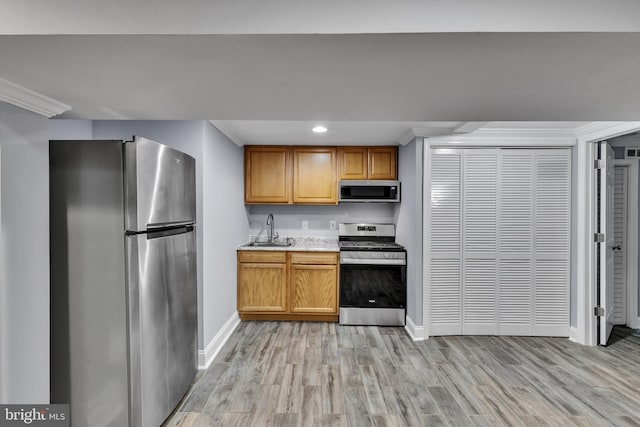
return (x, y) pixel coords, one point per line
(382, 162)
(267, 174)
(315, 176)
(368, 163)
(309, 175)
(354, 163)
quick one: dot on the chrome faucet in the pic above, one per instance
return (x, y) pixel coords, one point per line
(273, 234)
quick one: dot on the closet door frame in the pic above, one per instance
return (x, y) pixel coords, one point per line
(584, 330)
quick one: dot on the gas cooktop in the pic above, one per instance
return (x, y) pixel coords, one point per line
(360, 245)
(368, 237)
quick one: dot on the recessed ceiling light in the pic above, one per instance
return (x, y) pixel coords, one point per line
(319, 129)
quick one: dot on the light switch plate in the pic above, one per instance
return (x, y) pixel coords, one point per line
(332, 225)
(305, 225)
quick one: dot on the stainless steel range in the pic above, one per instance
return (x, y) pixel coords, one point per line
(373, 275)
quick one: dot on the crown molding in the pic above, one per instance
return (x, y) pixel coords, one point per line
(598, 131)
(233, 137)
(406, 137)
(462, 128)
(526, 132)
(28, 99)
(469, 127)
(510, 137)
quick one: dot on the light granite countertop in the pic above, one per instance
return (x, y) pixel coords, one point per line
(303, 244)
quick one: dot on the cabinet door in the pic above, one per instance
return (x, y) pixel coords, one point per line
(314, 289)
(262, 287)
(354, 163)
(382, 163)
(267, 175)
(315, 177)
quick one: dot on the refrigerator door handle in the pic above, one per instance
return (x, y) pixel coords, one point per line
(166, 232)
(176, 224)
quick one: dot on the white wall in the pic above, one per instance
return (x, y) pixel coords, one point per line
(409, 223)
(225, 224)
(24, 256)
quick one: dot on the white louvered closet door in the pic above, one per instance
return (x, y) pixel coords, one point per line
(479, 218)
(516, 240)
(444, 259)
(552, 241)
(499, 242)
(620, 238)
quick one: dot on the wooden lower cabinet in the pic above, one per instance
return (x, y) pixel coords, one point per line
(314, 283)
(262, 282)
(262, 287)
(303, 288)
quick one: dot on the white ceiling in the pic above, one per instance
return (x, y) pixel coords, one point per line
(315, 17)
(281, 132)
(254, 72)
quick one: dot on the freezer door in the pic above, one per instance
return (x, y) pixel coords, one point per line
(161, 271)
(160, 185)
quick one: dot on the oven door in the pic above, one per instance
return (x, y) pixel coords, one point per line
(373, 291)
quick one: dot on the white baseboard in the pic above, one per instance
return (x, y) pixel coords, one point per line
(206, 356)
(574, 335)
(415, 332)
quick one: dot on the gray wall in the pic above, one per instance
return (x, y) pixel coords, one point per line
(409, 223)
(24, 251)
(24, 256)
(221, 216)
(288, 219)
(186, 136)
(70, 129)
(225, 224)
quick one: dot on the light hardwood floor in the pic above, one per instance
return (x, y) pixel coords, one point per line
(324, 374)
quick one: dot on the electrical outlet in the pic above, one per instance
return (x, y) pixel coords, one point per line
(332, 225)
(305, 225)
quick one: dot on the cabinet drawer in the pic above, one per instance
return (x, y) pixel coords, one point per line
(262, 256)
(314, 258)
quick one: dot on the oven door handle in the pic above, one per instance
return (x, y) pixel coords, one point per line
(357, 261)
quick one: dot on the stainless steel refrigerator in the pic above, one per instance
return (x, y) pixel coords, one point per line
(123, 280)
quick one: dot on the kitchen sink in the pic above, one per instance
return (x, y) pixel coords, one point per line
(281, 244)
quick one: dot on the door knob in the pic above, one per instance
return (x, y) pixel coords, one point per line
(617, 247)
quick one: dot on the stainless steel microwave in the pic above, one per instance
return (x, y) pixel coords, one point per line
(369, 191)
